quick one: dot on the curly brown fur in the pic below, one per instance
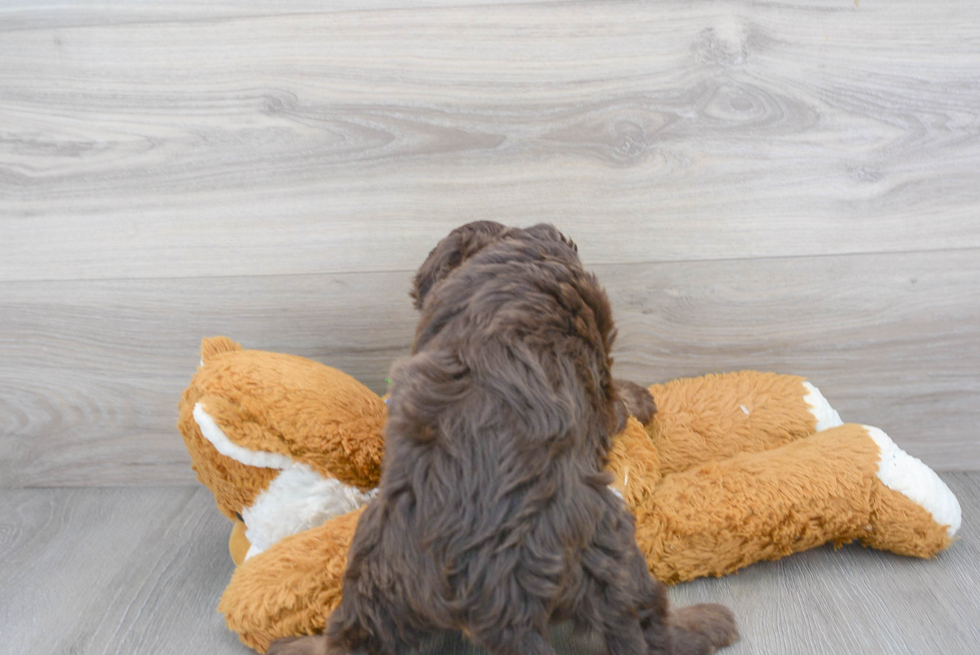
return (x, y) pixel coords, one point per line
(636, 400)
(494, 515)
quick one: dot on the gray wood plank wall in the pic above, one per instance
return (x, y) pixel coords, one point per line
(759, 185)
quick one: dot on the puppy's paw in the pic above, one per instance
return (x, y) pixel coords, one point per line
(702, 629)
(637, 400)
(315, 645)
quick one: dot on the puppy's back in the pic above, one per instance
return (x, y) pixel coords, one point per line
(497, 427)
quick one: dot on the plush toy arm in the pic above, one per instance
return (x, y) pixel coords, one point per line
(289, 589)
(717, 416)
(849, 482)
(634, 463)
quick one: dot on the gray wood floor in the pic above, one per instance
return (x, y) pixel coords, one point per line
(782, 186)
(131, 571)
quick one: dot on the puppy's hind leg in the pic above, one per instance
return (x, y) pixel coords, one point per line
(630, 608)
(630, 624)
(702, 629)
(619, 599)
(693, 630)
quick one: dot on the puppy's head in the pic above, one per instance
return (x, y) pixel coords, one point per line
(532, 282)
(460, 245)
(577, 290)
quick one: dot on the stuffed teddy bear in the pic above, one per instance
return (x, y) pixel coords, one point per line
(733, 469)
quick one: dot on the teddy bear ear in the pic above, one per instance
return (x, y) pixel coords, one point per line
(212, 346)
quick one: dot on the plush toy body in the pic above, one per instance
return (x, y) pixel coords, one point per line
(749, 466)
(733, 469)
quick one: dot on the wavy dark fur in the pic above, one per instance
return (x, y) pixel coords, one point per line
(494, 515)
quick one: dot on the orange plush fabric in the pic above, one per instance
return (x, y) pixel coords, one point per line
(289, 590)
(898, 525)
(721, 415)
(729, 472)
(720, 516)
(292, 406)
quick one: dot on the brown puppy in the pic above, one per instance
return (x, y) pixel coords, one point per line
(494, 515)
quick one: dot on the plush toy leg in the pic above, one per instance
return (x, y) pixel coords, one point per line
(831, 486)
(713, 417)
(289, 589)
(909, 504)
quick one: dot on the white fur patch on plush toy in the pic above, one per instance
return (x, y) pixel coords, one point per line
(907, 475)
(229, 448)
(827, 417)
(298, 499)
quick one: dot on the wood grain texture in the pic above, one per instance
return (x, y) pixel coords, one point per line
(892, 341)
(92, 370)
(114, 571)
(185, 140)
(20, 15)
(857, 600)
(760, 185)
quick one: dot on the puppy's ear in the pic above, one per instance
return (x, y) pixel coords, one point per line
(633, 400)
(461, 244)
(548, 232)
(423, 385)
